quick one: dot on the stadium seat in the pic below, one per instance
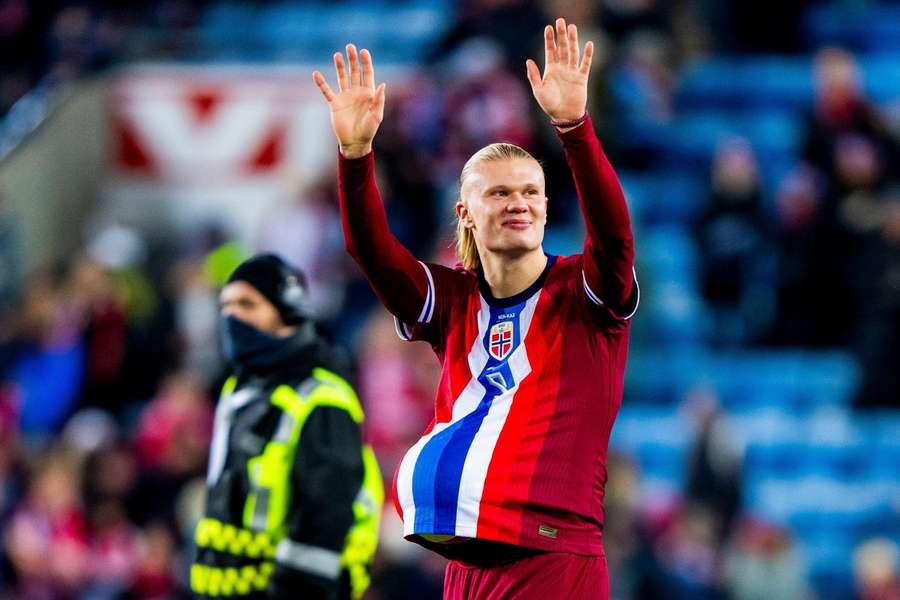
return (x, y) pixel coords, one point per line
(663, 198)
(768, 82)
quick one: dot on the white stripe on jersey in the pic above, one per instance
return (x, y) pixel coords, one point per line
(478, 459)
(467, 402)
(593, 297)
(596, 300)
(402, 330)
(428, 305)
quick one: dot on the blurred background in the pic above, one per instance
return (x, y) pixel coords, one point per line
(146, 147)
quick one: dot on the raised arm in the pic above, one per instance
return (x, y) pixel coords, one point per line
(398, 279)
(562, 94)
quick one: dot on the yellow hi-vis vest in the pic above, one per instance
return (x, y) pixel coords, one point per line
(264, 531)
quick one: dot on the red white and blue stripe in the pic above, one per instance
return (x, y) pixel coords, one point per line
(441, 479)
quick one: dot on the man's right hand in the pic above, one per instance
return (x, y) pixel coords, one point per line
(358, 107)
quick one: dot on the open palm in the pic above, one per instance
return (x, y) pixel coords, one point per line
(562, 91)
(358, 107)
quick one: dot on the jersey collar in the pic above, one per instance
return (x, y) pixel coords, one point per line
(521, 296)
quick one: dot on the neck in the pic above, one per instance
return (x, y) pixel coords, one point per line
(507, 276)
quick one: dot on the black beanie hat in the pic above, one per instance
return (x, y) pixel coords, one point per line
(281, 284)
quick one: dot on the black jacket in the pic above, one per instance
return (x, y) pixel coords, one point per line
(326, 473)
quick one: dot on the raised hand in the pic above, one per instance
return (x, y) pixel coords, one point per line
(358, 107)
(562, 91)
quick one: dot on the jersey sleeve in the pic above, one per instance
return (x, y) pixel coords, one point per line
(431, 324)
(608, 274)
(399, 280)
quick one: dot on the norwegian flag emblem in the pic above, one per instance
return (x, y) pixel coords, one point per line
(501, 340)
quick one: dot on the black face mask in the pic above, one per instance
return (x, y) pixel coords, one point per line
(247, 347)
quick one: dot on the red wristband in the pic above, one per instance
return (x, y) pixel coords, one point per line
(570, 122)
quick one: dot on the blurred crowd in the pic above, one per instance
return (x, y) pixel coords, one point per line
(109, 366)
(59, 40)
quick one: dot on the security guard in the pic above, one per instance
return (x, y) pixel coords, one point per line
(293, 496)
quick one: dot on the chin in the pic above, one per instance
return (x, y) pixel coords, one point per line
(516, 247)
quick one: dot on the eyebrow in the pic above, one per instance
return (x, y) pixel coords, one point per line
(505, 187)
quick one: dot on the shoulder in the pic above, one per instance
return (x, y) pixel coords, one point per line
(457, 275)
(321, 389)
(565, 268)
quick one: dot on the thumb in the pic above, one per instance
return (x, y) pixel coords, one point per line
(534, 74)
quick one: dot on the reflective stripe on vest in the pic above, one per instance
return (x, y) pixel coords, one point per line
(310, 559)
(230, 581)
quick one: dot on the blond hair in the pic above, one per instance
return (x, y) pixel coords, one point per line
(466, 249)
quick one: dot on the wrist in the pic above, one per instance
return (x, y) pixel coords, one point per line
(351, 151)
(568, 124)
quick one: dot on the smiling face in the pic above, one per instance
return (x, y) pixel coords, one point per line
(503, 204)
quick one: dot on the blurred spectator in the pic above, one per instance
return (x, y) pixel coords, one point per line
(878, 336)
(647, 69)
(503, 21)
(629, 534)
(799, 321)
(196, 318)
(406, 175)
(93, 293)
(46, 365)
(483, 102)
(762, 564)
(121, 313)
(876, 565)
(714, 464)
(47, 539)
(171, 443)
(154, 577)
(11, 477)
(737, 270)
(174, 430)
(688, 554)
(642, 84)
(841, 109)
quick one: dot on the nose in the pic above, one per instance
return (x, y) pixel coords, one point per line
(516, 203)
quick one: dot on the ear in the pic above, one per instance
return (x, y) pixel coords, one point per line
(463, 213)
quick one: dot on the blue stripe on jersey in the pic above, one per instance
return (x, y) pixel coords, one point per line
(436, 498)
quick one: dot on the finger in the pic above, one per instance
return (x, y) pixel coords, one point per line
(573, 46)
(586, 59)
(534, 74)
(379, 102)
(343, 84)
(549, 46)
(368, 69)
(323, 86)
(562, 43)
(353, 59)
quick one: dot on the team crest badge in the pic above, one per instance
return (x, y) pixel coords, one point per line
(501, 340)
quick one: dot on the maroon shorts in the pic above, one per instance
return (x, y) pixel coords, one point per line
(540, 577)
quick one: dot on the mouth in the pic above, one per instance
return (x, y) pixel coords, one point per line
(517, 224)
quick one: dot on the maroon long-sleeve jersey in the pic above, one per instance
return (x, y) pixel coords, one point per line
(530, 384)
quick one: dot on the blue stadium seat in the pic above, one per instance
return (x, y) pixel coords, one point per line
(694, 135)
(881, 75)
(224, 29)
(665, 197)
(671, 306)
(769, 82)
